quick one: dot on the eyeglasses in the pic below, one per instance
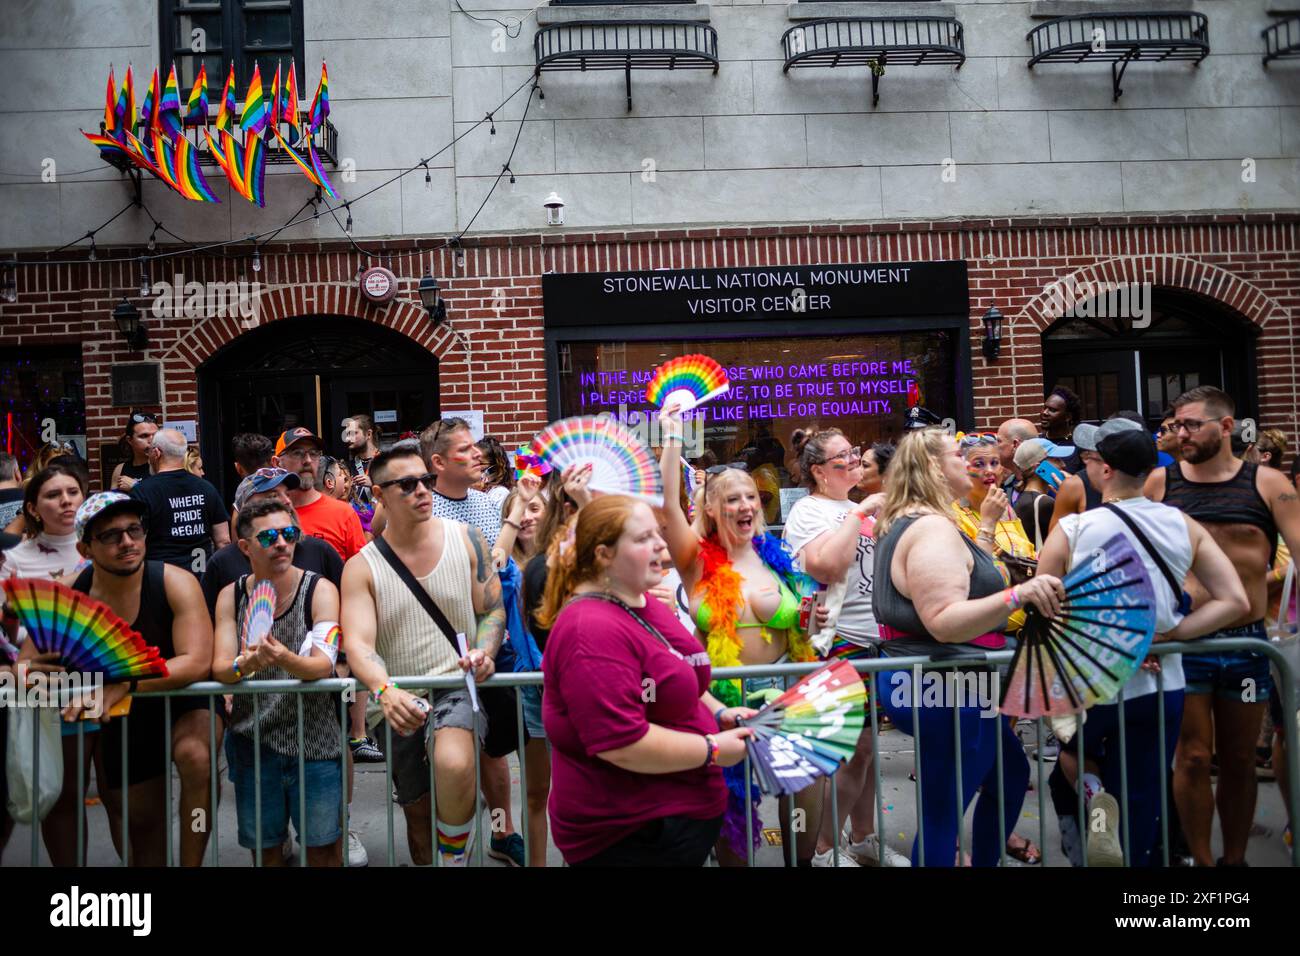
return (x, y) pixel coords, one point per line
(303, 453)
(1164, 429)
(267, 536)
(1189, 425)
(135, 532)
(979, 438)
(408, 484)
(138, 418)
(846, 456)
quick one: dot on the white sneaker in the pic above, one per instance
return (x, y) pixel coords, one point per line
(867, 853)
(827, 858)
(356, 852)
(1103, 847)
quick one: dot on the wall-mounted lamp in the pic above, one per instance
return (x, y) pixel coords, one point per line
(554, 210)
(431, 297)
(992, 334)
(127, 317)
(9, 281)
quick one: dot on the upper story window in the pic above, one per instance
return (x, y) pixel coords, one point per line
(262, 32)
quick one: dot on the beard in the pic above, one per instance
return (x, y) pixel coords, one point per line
(121, 570)
(1195, 454)
(306, 480)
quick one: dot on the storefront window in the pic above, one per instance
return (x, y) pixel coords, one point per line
(41, 400)
(857, 383)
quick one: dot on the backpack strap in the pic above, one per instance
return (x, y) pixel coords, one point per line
(1150, 549)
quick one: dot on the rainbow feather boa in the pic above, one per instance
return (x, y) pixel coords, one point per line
(720, 588)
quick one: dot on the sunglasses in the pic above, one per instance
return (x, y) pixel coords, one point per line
(267, 536)
(138, 418)
(408, 484)
(135, 532)
(981, 438)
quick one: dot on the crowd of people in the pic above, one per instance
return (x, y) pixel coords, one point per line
(429, 557)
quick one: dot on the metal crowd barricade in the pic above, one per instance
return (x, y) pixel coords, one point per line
(868, 668)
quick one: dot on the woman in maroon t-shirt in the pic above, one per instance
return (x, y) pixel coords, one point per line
(636, 741)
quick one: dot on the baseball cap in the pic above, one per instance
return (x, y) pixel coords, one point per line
(1088, 437)
(1034, 450)
(264, 479)
(1128, 450)
(293, 436)
(105, 504)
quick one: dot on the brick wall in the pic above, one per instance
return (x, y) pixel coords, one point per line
(1249, 263)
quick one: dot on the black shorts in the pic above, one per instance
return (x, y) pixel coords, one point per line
(146, 738)
(667, 841)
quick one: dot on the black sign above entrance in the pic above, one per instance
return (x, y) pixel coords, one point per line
(837, 291)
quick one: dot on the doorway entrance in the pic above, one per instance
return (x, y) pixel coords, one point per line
(1112, 366)
(312, 371)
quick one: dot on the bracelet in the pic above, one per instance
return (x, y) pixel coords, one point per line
(380, 693)
(712, 758)
(234, 666)
(986, 532)
(132, 686)
(513, 524)
(1011, 598)
(717, 716)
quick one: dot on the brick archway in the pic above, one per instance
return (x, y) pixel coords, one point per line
(1178, 272)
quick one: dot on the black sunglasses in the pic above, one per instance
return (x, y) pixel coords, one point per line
(409, 483)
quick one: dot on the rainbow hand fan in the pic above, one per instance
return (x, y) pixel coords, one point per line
(809, 730)
(1068, 663)
(259, 613)
(526, 464)
(688, 380)
(621, 465)
(85, 633)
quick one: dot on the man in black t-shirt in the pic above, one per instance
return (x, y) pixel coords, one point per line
(229, 563)
(187, 520)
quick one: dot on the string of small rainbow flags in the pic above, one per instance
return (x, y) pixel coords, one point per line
(162, 149)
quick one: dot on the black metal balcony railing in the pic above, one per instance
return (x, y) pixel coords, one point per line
(874, 42)
(626, 45)
(1282, 40)
(1119, 39)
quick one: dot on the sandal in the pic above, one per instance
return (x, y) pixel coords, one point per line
(1025, 852)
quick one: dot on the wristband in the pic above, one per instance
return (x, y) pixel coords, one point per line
(383, 687)
(717, 716)
(513, 524)
(234, 666)
(132, 686)
(712, 759)
(1011, 598)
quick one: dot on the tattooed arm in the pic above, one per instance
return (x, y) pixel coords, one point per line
(489, 608)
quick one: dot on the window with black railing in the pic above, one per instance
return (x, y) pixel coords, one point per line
(215, 32)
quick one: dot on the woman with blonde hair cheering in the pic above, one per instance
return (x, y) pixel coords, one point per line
(637, 748)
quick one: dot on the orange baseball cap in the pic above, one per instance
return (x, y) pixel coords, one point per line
(293, 436)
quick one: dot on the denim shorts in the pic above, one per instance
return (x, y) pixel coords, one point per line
(279, 776)
(1225, 673)
(532, 700)
(410, 755)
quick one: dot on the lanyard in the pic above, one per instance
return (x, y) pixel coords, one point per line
(649, 629)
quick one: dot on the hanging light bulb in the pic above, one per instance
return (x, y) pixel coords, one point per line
(153, 238)
(492, 124)
(428, 180)
(9, 288)
(257, 261)
(145, 284)
(91, 256)
(348, 227)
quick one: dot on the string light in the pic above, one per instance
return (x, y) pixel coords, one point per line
(145, 284)
(153, 240)
(348, 227)
(9, 288)
(492, 125)
(257, 261)
(91, 256)
(428, 180)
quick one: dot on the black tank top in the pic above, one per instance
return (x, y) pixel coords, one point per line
(1235, 501)
(137, 472)
(894, 610)
(154, 620)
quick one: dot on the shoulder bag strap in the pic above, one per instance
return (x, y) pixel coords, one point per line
(1150, 549)
(645, 625)
(421, 595)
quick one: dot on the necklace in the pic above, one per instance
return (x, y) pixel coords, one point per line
(1113, 498)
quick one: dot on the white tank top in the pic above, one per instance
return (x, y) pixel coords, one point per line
(408, 640)
(1167, 530)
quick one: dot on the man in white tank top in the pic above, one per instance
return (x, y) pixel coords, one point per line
(1118, 456)
(387, 631)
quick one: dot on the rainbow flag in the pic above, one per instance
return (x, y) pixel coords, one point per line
(255, 168)
(110, 122)
(244, 166)
(226, 113)
(289, 102)
(124, 111)
(139, 154)
(273, 107)
(229, 157)
(320, 103)
(196, 108)
(254, 119)
(188, 175)
(169, 105)
(312, 172)
(108, 146)
(149, 107)
(165, 159)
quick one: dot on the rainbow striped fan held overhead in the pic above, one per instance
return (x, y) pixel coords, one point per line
(809, 730)
(1068, 663)
(259, 613)
(688, 381)
(621, 465)
(85, 633)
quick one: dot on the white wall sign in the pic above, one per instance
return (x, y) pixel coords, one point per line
(473, 416)
(788, 497)
(386, 415)
(186, 428)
